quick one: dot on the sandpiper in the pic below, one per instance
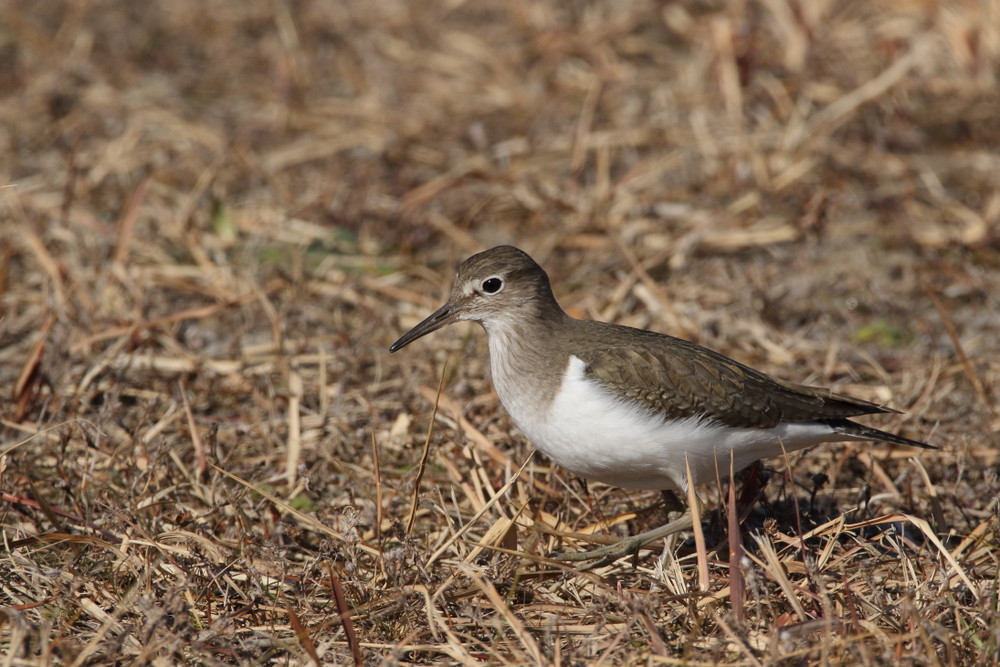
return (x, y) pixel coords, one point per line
(630, 407)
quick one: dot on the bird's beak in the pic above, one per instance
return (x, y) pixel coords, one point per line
(440, 317)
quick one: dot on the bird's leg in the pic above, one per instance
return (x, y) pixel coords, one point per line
(680, 519)
(672, 504)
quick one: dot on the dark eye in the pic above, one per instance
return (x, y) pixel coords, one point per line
(492, 285)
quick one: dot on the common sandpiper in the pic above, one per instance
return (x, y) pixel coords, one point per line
(630, 407)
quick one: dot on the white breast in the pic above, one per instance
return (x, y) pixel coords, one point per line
(596, 435)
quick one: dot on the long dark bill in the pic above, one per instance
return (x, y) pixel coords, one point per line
(440, 317)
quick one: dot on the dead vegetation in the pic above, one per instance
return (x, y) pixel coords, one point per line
(216, 216)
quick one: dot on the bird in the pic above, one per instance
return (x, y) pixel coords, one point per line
(629, 407)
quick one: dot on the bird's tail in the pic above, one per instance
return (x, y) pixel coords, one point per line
(862, 432)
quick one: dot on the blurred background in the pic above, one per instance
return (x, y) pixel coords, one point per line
(215, 217)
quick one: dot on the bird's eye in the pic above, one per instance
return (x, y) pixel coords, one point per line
(492, 285)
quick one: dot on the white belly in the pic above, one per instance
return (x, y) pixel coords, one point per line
(596, 435)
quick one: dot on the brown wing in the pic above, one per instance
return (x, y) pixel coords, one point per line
(682, 379)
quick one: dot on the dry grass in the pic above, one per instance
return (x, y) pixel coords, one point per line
(217, 216)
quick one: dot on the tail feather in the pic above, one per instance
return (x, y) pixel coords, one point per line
(862, 432)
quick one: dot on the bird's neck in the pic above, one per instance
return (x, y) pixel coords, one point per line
(526, 359)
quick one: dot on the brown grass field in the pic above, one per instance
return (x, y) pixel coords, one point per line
(216, 216)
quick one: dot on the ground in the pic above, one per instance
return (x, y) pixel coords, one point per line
(215, 217)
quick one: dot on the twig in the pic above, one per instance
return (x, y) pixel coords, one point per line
(699, 535)
(949, 327)
(345, 616)
(126, 222)
(423, 457)
(199, 448)
(376, 464)
(302, 633)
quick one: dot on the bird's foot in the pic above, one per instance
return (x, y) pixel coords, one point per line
(630, 545)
